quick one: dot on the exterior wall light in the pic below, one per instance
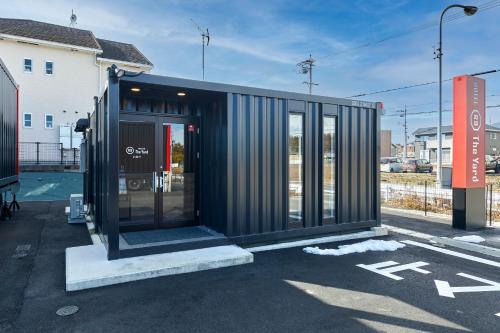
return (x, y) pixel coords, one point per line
(135, 89)
(181, 94)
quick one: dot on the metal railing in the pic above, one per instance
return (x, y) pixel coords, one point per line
(47, 153)
(427, 198)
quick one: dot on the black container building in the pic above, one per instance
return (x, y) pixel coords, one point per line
(9, 166)
(245, 165)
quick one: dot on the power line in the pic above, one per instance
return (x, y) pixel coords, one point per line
(430, 112)
(449, 18)
(453, 17)
(411, 106)
(418, 85)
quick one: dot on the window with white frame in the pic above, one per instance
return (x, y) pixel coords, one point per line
(28, 65)
(493, 136)
(49, 67)
(49, 121)
(27, 119)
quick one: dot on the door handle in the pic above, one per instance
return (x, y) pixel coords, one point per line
(162, 180)
(155, 182)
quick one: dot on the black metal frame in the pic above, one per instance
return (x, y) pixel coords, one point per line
(349, 115)
(9, 143)
(159, 120)
(334, 114)
(291, 223)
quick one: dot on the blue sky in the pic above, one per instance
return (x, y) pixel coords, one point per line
(258, 43)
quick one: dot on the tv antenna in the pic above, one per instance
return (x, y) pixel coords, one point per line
(205, 37)
(306, 67)
(72, 19)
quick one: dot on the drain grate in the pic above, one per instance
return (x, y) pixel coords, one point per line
(67, 310)
(22, 251)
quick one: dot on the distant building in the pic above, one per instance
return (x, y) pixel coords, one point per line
(59, 70)
(426, 143)
(410, 150)
(385, 143)
(397, 150)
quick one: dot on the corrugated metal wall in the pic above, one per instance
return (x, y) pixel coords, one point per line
(8, 127)
(213, 180)
(357, 166)
(257, 163)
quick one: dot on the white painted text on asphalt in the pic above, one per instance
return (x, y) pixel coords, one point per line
(445, 290)
(387, 268)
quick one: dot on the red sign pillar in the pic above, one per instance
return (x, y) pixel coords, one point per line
(468, 175)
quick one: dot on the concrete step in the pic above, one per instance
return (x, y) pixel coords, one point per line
(88, 267)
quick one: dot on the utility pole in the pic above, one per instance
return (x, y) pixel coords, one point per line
(72, 19)
(306, 67)
(405, 151)
(205, 38)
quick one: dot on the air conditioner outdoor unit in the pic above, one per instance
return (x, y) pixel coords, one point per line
(76, 209)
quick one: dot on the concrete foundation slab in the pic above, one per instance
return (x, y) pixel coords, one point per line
(88, 267)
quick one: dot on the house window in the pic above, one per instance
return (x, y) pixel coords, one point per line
(27, 120)
(49, 121)
(493, 136)
(296, 169)
(329, 156)
(446, 156)
(49, 68)
(28, 65)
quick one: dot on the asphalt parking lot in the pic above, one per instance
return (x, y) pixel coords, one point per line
(282, 291)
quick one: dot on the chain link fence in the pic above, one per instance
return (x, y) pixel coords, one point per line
(46, 153)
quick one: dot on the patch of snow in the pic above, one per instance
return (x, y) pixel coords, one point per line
(470, 239)
(368, 245)
(42, 189)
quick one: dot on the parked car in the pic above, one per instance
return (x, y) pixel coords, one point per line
(413, 165)
(391, 164)
(492, 163)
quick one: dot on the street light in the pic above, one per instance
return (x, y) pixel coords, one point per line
(469, 11)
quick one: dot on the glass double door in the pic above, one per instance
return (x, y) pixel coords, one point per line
(158, 171)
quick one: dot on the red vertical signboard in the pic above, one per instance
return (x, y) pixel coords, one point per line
(469, 121)
(168, 136)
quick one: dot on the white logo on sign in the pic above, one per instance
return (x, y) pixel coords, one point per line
(129, 150)
(475, 120)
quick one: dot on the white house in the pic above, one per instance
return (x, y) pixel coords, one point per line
(59, 70)
(426, 143)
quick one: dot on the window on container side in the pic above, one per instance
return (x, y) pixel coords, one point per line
(49, 67)
(28, 65)
(329, 172)
(49, 121)
(27, 120)
(296, 169)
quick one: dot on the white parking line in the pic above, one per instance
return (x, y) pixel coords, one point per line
(498, 314)
(453, 253)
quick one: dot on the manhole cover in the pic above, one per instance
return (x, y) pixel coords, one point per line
(67, 310)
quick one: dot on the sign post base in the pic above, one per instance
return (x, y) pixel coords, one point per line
(469, 210)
